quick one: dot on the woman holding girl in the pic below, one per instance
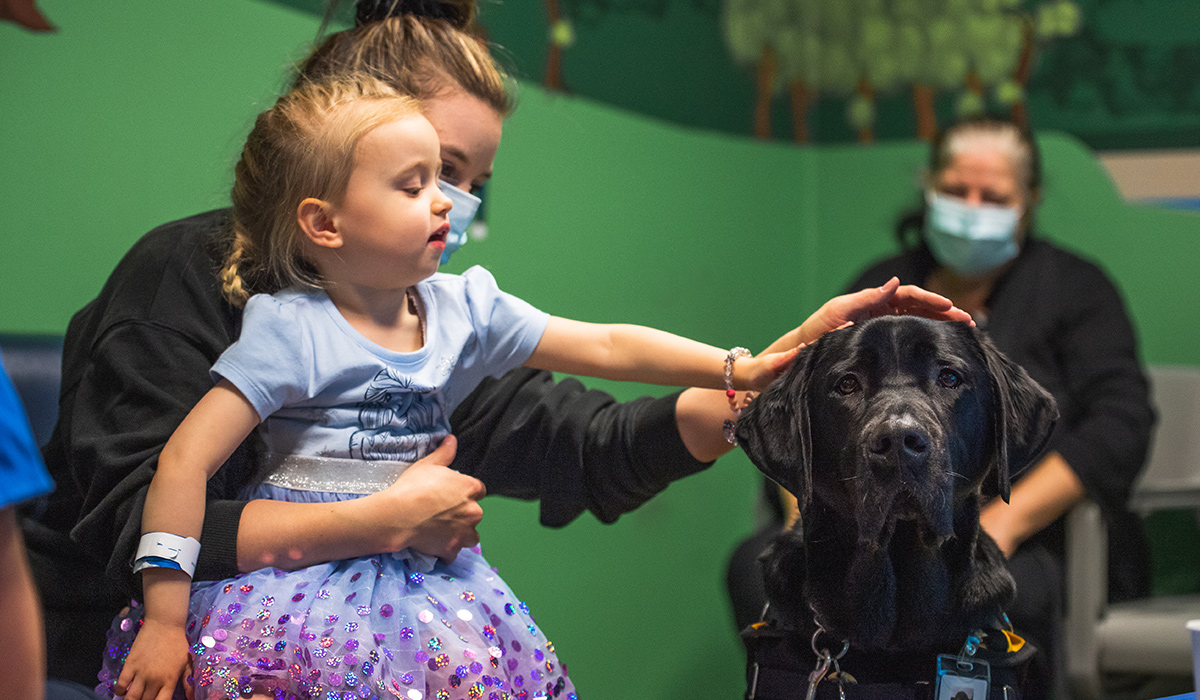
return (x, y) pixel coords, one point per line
(352, 366)
(137, 360)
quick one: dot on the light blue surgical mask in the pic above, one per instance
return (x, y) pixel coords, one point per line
(970, 239)
(461, 216)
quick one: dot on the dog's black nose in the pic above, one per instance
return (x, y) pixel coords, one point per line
(900, 438)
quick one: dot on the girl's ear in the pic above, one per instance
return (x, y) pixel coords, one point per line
(315, 217)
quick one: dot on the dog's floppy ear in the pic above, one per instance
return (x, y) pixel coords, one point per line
(775, 431)
(1023, 412)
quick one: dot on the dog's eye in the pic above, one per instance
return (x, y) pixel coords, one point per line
(847, 384)
(949, 378)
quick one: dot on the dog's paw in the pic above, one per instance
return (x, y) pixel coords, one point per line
(988, 586)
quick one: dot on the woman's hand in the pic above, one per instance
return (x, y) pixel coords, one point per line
(1044, 494)
(430, 508)
(437, 507)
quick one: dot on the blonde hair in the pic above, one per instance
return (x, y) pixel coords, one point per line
(302, 147)
(423, 56)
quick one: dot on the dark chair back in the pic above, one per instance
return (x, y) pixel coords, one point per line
(34, 364)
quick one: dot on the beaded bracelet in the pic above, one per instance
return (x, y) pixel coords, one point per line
(731, 425)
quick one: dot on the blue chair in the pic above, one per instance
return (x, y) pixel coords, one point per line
(34, 364)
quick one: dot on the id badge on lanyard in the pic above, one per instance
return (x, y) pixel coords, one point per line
(961, 677)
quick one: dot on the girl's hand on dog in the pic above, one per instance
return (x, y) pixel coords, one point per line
(755, 373)
(892, 299)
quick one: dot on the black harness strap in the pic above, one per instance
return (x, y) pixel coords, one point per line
(782, 684)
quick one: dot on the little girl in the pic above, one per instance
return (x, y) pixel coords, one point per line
(353, 369)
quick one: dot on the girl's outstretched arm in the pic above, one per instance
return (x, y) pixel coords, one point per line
(175, 504)
(639, 354)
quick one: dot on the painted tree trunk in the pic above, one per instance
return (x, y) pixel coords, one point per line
(1018, 112)
(866, 133)
(923, 106)
(765, 80)
(554, 77)
(800, 100)
(974, 83)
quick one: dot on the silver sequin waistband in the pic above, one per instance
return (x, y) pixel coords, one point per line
(331, 474)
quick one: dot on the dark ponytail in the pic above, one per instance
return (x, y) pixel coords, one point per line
(459, 13)
(422, 48)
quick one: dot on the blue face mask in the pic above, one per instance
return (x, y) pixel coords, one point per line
(461, 216)
(970, 239)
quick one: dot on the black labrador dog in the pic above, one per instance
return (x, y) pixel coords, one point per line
(890, 433)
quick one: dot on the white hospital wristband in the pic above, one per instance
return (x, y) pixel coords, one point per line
(162, 549)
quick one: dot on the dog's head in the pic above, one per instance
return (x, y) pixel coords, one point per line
(897, 418)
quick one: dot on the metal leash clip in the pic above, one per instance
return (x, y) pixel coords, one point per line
(841, 678)
(826, 660)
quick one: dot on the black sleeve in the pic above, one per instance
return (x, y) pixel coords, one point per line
(1108, 436)
(135, 360)
(142, 381)
(526, 436)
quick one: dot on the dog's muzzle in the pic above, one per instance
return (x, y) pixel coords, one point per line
(905, 476)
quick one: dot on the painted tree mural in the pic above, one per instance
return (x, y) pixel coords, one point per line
(561, 16)
(1129, 77)
(1115, 73)
(980, 50)
(803, 47)
(560, 36)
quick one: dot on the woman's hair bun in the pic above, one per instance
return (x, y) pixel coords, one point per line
(459, 13)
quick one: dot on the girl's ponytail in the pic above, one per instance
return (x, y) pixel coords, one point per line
(232, 287)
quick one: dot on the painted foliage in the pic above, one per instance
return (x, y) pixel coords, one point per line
(1116, 73)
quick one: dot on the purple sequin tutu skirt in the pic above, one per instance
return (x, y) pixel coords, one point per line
(375, 627)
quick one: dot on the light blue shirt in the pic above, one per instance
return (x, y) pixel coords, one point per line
(323, 389)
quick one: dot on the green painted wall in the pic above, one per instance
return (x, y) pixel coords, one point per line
(128, 117)
(132, 116)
